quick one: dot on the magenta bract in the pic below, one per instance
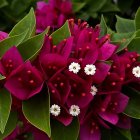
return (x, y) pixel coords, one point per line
(3, 35)
(25, 81)
(52, 14)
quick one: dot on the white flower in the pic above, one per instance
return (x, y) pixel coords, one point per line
(55, 110)
(74, 67)
(93, 90)
(90, 69)
(136, 71)
(74, 110)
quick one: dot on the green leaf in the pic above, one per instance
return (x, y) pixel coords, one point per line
(28, 22)
(11, 125)
(19, 6)
(115, 134)
(11, 41)
(61, 33)
(76, 1)
(37, 112)
(137, 19)
(30, 48)
(125, 25)
(125, 43)
(137, 33)
(135, 129)
(125, 133)
(125, 5)
(105, 134)
(121, 36)
(84, 15)
(95, 5)
(109, 7)
(109, 62)
(61, 132)
(103, 27)
(134, 45)
(77, 6)
(92, 14)
(133, 107)
(3, 3)
(2, 77)
(119, 134)
(110, 31)
(5, 107)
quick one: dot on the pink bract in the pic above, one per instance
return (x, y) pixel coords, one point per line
(53, 14)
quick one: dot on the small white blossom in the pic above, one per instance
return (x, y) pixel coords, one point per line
(55, 110)
(90, 69)
(93, 90)
(74, 110)
(74, 67)
(136, 71)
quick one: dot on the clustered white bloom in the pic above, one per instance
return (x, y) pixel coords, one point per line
(74, 67)
(55, 110)
(89, 69)
(136, 71)
(74, 110)
(94, 90)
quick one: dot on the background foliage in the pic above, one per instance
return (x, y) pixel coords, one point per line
(11, 11)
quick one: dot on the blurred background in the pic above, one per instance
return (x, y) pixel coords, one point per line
(11, 11)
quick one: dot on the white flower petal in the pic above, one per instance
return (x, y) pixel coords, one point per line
(74, 110)
(55, 110)
(74, 67)
(136, 71)
(94, 90)
(90, 69)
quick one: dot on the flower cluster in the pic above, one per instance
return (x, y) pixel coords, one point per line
(84, 75)
(53, 14)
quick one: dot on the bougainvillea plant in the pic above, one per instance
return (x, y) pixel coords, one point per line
(64, 80)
